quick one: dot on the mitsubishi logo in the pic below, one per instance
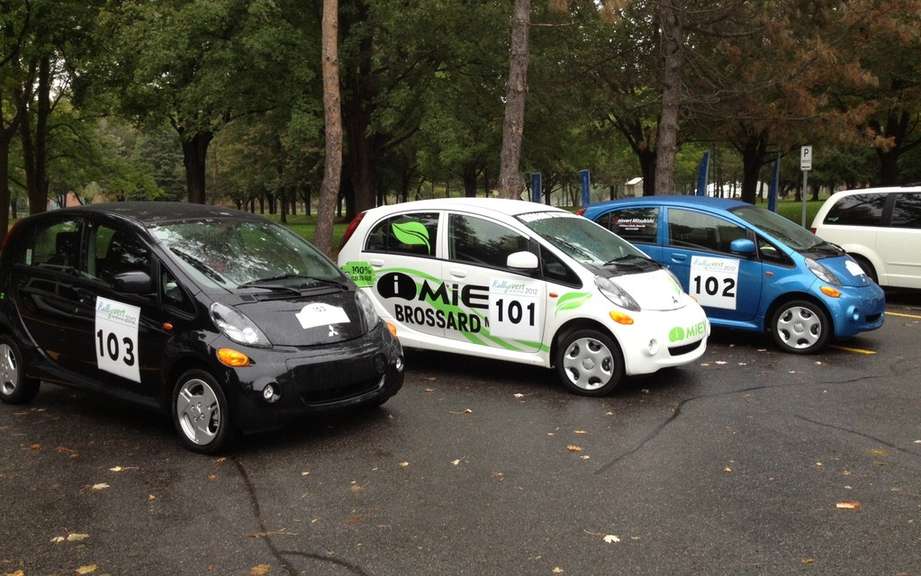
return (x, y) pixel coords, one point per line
(674, 300)
(332, 331)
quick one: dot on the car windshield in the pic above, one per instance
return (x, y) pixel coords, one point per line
(234, 254)
(583, 240)
(790, 233)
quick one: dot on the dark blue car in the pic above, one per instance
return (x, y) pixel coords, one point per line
(751, 269)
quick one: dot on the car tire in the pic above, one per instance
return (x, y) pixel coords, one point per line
(201, 413)
(865, 265)
(589, 362)
(801, 327)
(15, 387)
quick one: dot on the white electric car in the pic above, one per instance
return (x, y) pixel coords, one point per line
(523, 282)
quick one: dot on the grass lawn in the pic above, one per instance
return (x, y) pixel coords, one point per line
(306, 225)
(793, 210)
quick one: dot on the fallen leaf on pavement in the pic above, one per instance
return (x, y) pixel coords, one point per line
(585, 457)
(98, 487)
(404, 464)
(456, 461)
(212, 476)
(70, 452)
(77, 537)
(848, 505)
(879, 452)
(611, 539)
(117, 469)
(727, 470)
(151, 498)
(580, 432)
(429, 389)
(574, 448)
(260, 570)
(807, 561)
(16, 573)
(720, 362)
(557, 570)
(88, 569)
(57, 539)
(305, 473)
(518, 395)
(36, 446)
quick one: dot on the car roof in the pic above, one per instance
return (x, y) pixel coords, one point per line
(150, 214)
(880, 190)
(504, 206)
(687, 201)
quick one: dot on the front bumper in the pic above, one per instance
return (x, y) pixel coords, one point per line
(858, 309)
(660, 339)
(365, 370)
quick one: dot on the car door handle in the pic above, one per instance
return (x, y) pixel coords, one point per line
(457, 273)
(679, 258)
(376, 263)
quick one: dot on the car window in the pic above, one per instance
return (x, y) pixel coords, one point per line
(112, 251)
(701, 231)
(634, 224)
(172, 293)
(555, 270)
(482, 242)
(906, 212)
(857, 210)
(414, 234)
(55, 245)
(772, 254)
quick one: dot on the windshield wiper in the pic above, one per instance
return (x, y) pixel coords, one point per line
(266, 282)
(623, 260)
(199, 265)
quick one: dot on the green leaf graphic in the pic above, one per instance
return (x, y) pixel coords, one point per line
(412, 233)
(572, 300)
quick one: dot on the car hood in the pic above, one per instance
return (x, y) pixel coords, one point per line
(308, 320)
(653, 290)
(847, 270)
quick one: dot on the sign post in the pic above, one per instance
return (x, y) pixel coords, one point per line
(805, 164)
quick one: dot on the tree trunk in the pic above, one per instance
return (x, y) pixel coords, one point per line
(332, 113)
(516, 93)
(35, 148)
(283, 195)
(648, 167)
(888, 166)
(667, 138)
(4, 187)
(194, 154)
(470, 174)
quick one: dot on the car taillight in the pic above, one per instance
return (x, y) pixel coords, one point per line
(351, 229)
(580, 212)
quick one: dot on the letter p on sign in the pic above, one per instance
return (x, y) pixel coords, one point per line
(805, 158)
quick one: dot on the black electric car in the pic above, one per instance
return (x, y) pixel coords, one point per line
(227, 321)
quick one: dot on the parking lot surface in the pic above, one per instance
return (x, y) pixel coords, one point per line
(749, 462)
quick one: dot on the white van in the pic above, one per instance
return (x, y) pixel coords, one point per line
(878, 227)
(523, 282)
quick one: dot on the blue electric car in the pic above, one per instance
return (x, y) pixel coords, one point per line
(751, 269)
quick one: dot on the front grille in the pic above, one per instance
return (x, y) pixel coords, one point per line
(685, 349)
(339, 393)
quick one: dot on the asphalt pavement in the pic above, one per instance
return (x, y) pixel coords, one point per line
(750, 461)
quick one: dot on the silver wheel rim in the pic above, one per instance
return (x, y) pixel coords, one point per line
(799, 327)
(198, 411)
(9, 373)
(588, 363)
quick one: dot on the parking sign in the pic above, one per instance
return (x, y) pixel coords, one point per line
(805, 158)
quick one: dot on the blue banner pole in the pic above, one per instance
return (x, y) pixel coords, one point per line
(586, 179)
(703, 174)
(775, 184)
(536, 187)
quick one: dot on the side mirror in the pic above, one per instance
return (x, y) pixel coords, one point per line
(742, 246)
(132, 282)
(522, 261)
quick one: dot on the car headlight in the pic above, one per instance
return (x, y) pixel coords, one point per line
(616, 294)
(822, 272)
(367, 309)
(237, 327)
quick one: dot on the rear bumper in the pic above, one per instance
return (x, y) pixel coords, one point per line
(366, 370)
(859, 309)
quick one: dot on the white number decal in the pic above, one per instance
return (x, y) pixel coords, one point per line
(117, 338)
(514, 309)
(715, 281)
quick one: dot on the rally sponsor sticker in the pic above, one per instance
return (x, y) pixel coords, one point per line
(514, 309)
(116, 332)
(360, 272)
(854, 268)
(714, 281)
(320, 314)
